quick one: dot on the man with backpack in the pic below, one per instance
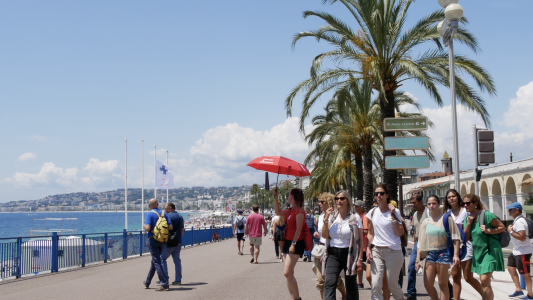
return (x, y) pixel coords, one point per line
(173, 246)
(238, 231)
(519, 260)
(157, 224)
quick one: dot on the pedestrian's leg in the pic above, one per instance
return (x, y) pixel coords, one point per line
(333, 269)
(516, 279)
(360, 276)
(386, 291)
(280, 243)
(442, 271)
(251, 250)
(393, 264)
(488, 294)
(156, 259)
(341, 287)
(469, 277)
(176, 255)
(290, 261)
(256, 254)
(527, 279)
(411, 273)
(352, 292)
(276, 247)
(152, 270)
(378, 270)
(457, 286)
(429, 280)
(164, 256)
(238, 246)
(369, 273)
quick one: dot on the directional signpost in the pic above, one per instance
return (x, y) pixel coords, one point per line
(407, 143)
(407, 162)
(405, 124)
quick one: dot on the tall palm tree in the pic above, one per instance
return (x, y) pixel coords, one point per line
(383, 52)
(254, 191)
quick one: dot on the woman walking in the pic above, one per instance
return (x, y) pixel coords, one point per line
(433, 241)
(384, 231)
(293, 244)
(487, 254)
(343, 234)
(454, 206)
(279, 233)
(325, 201)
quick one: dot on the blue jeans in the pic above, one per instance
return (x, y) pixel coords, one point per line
(155, 250)
(175, 252)
(411, 272)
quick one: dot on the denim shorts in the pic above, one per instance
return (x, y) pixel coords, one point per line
(438, 257)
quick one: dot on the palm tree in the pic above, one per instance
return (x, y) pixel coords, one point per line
(383, 53)
(254, 191)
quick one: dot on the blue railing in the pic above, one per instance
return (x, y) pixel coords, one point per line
(43, 254)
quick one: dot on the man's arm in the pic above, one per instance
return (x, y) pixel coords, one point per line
(147, 228)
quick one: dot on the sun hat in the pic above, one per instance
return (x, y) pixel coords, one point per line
(359, 203)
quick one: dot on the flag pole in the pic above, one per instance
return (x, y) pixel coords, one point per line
(155, 171)
(167, 186)
(142, 187)
(126, 188)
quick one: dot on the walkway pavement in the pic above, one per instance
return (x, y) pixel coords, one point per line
(211, 271)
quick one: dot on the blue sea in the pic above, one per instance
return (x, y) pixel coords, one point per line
(20, 224)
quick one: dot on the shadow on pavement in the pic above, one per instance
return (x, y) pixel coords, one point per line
(193, 283)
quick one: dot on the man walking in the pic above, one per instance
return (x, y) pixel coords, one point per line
(156, 247)
(253, 229)
(419, 215)
(238, 231)
(173, 246)
(520, 259)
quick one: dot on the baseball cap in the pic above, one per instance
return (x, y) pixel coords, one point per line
(239, 211)
(515, 205)
(359, 203)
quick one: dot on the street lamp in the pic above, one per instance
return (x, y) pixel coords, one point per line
(448, 28)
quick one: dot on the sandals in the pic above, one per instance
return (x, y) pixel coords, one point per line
(252, 261)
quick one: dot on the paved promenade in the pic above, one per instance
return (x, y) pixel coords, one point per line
(211, 271)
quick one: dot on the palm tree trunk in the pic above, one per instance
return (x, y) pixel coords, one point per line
(359, 175)
(389, 176)
(349, 174)
(369, 187)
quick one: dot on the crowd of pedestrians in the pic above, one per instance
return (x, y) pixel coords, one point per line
(454, 238)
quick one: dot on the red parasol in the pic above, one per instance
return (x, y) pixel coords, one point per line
(279, 165)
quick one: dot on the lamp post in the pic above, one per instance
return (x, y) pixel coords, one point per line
(447, 29)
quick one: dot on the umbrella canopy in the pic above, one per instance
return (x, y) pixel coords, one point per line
(527, 182)
(279, 165)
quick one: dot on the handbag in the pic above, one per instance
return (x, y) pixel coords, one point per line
(318, 251)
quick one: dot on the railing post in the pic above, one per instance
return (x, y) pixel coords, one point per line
(141, 243)
(55, 246)
(105, 247)
(192, 232)
(125, 244)
(19, 258)
(83, 250)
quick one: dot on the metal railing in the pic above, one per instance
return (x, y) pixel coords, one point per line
(22, 256)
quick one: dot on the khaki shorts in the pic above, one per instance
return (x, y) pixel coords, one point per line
(256, 241)
(317, 268)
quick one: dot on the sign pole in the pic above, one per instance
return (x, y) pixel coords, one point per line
(142, 186)
(400, 192)
(167, 186)
(126, 188)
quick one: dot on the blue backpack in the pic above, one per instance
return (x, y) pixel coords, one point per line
(462, 250)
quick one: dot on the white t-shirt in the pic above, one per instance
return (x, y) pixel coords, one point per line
(237, 230)
(319, 226)
(525, 247)
(340, 232)
(460, 219)
(384, 234)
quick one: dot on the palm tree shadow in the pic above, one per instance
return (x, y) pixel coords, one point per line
(193, 283)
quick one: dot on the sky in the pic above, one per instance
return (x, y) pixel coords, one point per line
(205, 80)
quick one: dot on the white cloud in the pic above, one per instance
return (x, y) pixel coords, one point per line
(27, 156)
(49, 175)
(96, 166)
(520, 109)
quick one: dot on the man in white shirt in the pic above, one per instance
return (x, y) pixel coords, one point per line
(238, 231)
(520, 259)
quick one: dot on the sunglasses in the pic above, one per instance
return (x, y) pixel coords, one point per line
(379, 193)
(340, 198)
(468, 203)
(321, 202)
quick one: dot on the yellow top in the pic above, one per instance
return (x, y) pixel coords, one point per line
(446, 155)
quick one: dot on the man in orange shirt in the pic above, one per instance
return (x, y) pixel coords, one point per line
(360, 209)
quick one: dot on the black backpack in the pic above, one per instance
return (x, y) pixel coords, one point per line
(529, 225)
(240, 223)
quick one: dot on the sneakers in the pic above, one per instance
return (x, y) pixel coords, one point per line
(516, 294)
(163, 288)
(146, 286)
(360, 286)
(410, 297)
(305, 258)
(176, 283)
(526, 297)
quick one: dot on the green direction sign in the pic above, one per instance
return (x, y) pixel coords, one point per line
(407, 143)
(400, 124)
(407, 162)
